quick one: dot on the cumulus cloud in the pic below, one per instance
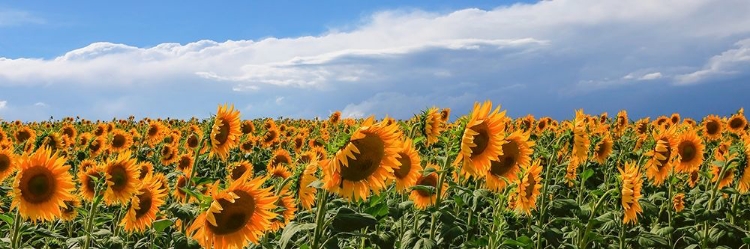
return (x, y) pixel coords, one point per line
(3, 103)
(547, 57)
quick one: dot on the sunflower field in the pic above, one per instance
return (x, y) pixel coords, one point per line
(482, 180)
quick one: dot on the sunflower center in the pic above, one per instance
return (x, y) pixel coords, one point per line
(95, 146)
(153, 130)
(712, 127)
(223, 135)
(119, 177)
(118, 141)
(184, 163)
(403, 171)
(181, 182)
(37, 185)
(23, 136)
(687, 151)
(234, 216)
(602, 148)
(145, 201)
(507, 161)
(238, 171)
(247, 145)
(530, 187)
(192, 141)
(481, 139)
(69, 207)
(736, 123)
(372, 150)
(4, 162)
(279, 159)
(429, 180)
(144, 172)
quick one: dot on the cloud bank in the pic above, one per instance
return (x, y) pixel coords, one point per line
(545, 58)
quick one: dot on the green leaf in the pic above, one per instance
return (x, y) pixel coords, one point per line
(316, 184)
(348, 220)
(425, 243)
(292, 229)
(160, 225)
(586, 174)
(6, 218)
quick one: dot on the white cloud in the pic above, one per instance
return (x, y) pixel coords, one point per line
(728, 63)
(546, 51)
(3, 104)
(651, 76)
(41, 104)
(11, 17)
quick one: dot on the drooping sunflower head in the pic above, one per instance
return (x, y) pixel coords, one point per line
(147, 170)
(423, 198)
(364, 163)
(675, 118)
(279, 171)
(42, 185)
(517, 150)
(181, 182)
(482, 140)
(445, 115)
(410, 166)
(737, 123)
(712, 127)
(226, 131)
(678, 202)
(603, 149)
(335, 117)
(642, 126)
(70, 210)
(286, 212)
(689, 152)
(632, 182)
(305, 192)
(7, 163)
(432, 125)
(237, 216)
(528, 188)
(144, 205)
(662, 156)
(122, 179)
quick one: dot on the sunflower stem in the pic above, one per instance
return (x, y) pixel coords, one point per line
(584, 236)
(711, 200)
(90, 221)
(542, 208)
(16, 227)
(319, 218)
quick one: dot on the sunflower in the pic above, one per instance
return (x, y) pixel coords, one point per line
(736, 124)
(185, 163)
(236, 171)
(661, 161)
(143, 206)
(689, 152)
(97, 146)
(581, 141)
(482, 140)
(42, 185)
(192, 141)
(122, 179)
(86, 177)
(306, 193)
(299, 142)
(3, 136)
(7, 164)
(678, 202)
(445, 115)
(423, 199)
(622, 122)
(226, 131)
(642, 126)
(675, 118)
(24, 134)
(155, 132)
(70, 210)
(727, 177)
(54, 142)
(147, 170)
(744, 183)
(238, 215)
(168, 155)
(603, 149)
(121, 141)
(528, 188)
(270, 138)
(279, 157)
(69, 133)
(631, 192)
(406, 175)
(689, 122)
(83, 140)
(279, 171)
(365, 163)
(517, 150)
(101, 130)
(247, 127)
(181, 182)
(286, 203)
(693, 177)
(432, 125)
(712, 127)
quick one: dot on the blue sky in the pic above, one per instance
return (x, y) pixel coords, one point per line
(306, 59)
